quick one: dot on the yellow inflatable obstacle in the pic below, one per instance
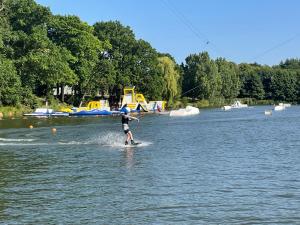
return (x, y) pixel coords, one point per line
(101, 105)
(137, 101)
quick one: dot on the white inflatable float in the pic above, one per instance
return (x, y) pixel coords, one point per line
(279, 107)
(188, 111)
(235, 105)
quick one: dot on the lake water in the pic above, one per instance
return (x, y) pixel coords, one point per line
(219, 167)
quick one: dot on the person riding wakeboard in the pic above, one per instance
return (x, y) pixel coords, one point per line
(125, 120)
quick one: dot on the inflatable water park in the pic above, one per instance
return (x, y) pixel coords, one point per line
(130, 98)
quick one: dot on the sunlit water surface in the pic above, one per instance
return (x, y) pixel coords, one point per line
(219, 167)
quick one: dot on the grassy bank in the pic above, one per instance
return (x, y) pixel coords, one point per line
(10, 111)
(18, 111)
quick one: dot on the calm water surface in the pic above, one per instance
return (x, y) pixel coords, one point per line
(233, 167)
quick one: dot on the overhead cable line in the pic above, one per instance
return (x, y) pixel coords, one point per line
(183, 19)
(275, 47)
(190, 90)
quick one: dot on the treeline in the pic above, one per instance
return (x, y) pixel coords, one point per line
(40, 51)
(204, 78)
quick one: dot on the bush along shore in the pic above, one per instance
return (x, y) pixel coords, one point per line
(12, 112)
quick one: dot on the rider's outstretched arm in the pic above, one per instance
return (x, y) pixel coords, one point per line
(134, 118)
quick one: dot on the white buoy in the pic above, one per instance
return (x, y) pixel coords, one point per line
(279, 107)
(226, 107)
(268, 112)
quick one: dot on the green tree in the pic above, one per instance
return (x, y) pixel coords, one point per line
(134, 61)
(284, 85)
(144, 70)
(201, 74)
(266, 73)
(2, 6)
(230, 79)
(122, 40)
(171, 77)
(10, 85)
(5, 31)
(286, 80)
(104, 76)
(71, 33)
(44, 69)
(24, 15)
(290, 64)
(252, 86)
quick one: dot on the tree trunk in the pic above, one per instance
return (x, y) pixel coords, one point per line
(62, 93)
(82, 99)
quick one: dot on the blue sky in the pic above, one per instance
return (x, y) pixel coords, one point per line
(263, 31)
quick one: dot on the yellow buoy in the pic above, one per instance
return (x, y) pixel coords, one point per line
(53, 130)
(30, 126)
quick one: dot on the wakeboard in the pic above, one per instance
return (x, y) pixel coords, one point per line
(133, 145)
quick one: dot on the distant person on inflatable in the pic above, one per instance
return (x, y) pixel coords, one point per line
(158, 107)
(125, 119)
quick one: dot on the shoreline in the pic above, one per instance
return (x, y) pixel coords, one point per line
(10, 112)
